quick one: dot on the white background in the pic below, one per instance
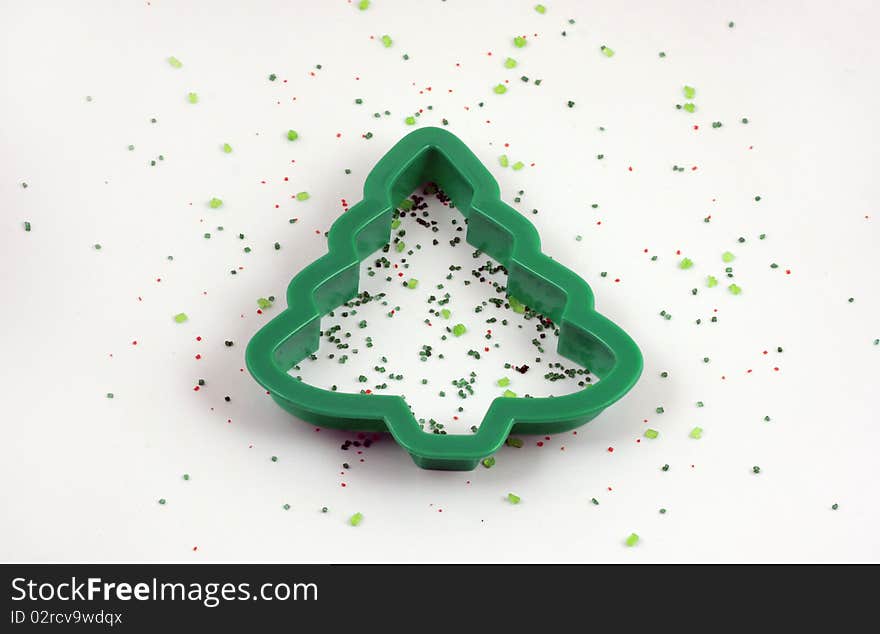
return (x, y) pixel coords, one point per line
(80, 475)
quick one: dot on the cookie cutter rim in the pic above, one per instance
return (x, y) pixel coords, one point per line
(536, 280)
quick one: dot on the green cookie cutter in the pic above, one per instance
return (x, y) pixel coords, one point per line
(536, 280)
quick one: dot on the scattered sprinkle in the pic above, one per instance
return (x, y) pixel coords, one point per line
(513, 499)
(355, 519)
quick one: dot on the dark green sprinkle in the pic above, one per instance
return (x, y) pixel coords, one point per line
(756, 469)
(665, 467)
(274, 458)
(595, 501)
(662, 54)
(834, 506)
(162, 501)
(272, 77)
(662, 511)
(186, 476)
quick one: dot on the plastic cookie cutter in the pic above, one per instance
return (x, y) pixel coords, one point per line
(534, 279)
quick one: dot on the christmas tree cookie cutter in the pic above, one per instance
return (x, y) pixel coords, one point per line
(537, 281)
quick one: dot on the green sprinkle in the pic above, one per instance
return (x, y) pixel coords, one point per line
(301, 196)
(193, 97)
(227, 148)
(756, 469)
(412, 283)
(286, 507)
(651, 433)
(410, 120)
(519, 41)
(510, 63)
(632, 540)
(503, 382)
(175, 63)
(734, 289)
(363, 5)
(757, 199)
(540, 8)
(356, 519)
(689, 92)
(400, 246)
(834, 506)
(274, 458)
(215, 203)
(685, 264)
(662, 54)
(386, 41)
(513, 499)
(728, 257)
(130, 148)
(514, 442)
(488, 462)
(458, 330)
(730, 25)
(264, 303)
(162, 501)
(711, 281)
(662, 511)
(445, 313)
(109, 394)
(744, 120)
(595, 502)
(689, 107)
(515, 305)
(273, 77)
(509, 394)
(607, 52)
(665, 467)
(292, 135)
(27, 225)
(696, 433)
(186, 476)
(518, 166)
(180, 318)
(500, 89)
(503, 160)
